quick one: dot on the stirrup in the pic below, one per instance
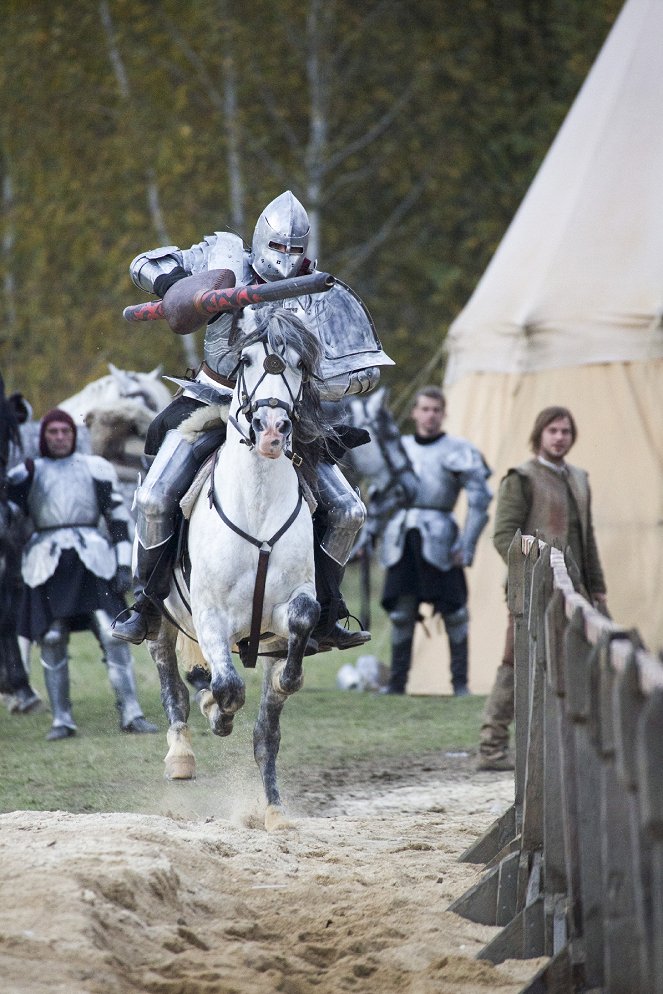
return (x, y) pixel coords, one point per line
(136, 624)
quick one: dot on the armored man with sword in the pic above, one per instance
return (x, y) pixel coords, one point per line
(352, 355)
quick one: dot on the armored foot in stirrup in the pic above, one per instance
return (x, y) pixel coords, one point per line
(342, 638)
(140, 622)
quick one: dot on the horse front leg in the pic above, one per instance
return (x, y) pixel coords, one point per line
(180, 762)
(281, 679)
(227, 691)
(266, 742)
(303, 615)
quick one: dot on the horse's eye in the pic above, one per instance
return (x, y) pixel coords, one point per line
(300, 364)
(246, 361)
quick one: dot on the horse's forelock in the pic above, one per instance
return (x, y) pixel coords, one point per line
(281, 328)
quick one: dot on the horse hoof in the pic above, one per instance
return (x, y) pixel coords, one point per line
(179, 761)
(276, 819)
(223, 724)
(180, 768)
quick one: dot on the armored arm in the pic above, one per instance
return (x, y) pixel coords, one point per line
(349, 384)
(157, 270)
(113, 509)
(479, 497)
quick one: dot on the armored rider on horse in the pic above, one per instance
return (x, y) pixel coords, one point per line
(352, 356)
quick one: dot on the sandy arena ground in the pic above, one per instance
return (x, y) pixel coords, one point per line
(194, 900)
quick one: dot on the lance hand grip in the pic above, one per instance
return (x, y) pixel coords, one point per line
(213, 301)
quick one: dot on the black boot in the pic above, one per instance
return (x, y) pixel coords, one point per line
(400, 668)
(458, 653)
(328, 633)
(139, 622)
(152, 580)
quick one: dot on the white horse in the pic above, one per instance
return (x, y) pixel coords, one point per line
(120, 385)
(251, 517)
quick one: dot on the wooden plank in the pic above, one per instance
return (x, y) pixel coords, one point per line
(511, 942)
(493, 840)
(555, 787)
(479, 903)
(650, 778)
(622, 956)
(554, 978)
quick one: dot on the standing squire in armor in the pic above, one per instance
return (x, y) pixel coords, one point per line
(423, 550)
(352, 355)
(74, 574)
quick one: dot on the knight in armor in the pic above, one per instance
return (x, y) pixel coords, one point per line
(74, 574)
(352, 355)
(423, 549)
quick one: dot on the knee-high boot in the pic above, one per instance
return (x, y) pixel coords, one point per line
(497, 717)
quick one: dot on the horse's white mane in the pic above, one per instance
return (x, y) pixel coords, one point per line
(118, 385)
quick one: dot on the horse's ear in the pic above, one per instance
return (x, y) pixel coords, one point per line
(156, 373)
(123, 379)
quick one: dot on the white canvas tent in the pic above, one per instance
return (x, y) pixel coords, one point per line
(570, 311)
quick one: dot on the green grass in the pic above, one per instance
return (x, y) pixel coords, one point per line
(101, 769)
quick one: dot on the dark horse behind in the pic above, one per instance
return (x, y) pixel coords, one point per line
(13, 677)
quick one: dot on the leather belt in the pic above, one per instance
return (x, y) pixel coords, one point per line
(223, 380)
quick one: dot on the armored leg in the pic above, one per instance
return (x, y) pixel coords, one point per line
(157, 509)
(55, 662)
(456, 624)
(119, 663)
(341, 514)
(403, 621)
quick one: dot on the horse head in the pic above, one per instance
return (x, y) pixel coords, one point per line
(275, 364)
(147, 388)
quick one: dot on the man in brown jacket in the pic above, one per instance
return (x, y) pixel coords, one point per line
(544, 495)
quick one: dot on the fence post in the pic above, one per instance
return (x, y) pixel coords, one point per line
(554, 851)
(519, 591)
(580, 658)
(650, 775)
(625, 960)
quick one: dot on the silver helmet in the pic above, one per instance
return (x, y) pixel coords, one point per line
(280, 238)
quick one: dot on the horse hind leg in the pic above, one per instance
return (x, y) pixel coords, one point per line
(179, 762)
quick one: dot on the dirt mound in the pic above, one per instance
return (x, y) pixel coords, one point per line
(352, 898)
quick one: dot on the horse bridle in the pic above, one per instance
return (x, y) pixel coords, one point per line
(273, 365)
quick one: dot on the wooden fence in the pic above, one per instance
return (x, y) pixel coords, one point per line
(575, 867)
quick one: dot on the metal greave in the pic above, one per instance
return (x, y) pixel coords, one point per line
(119, 663)
(345, 512)
(55, 662)
(158, 497)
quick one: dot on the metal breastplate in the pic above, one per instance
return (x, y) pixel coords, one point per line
(63, 493)
(338, 317)
(438, 486)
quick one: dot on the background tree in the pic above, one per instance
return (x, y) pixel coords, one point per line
(410, 131)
